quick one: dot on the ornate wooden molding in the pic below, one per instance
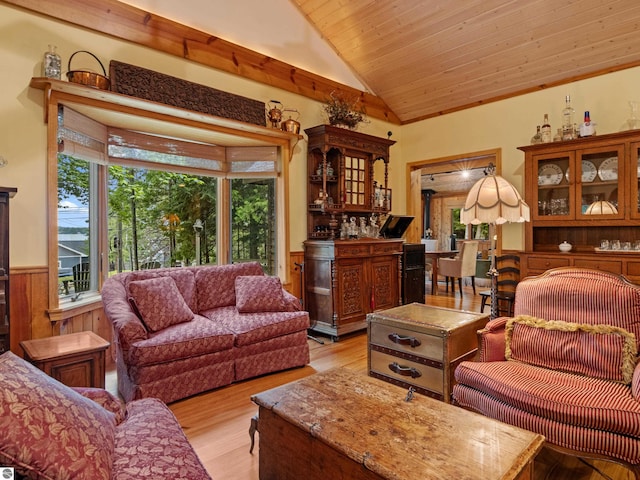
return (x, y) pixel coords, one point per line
(132, 24)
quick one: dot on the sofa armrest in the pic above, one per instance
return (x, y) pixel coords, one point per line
(491, 341)
(291, 301)
(128, 328)
(105, 399)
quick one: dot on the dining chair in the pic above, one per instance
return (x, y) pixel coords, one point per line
(463, 265)
(508, 267)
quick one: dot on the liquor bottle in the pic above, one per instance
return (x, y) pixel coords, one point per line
(567, 120)
(52, 65)
(545, 130)
(537, 138)
(587, 128)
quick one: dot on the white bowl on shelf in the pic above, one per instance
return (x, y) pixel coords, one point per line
(565, 247)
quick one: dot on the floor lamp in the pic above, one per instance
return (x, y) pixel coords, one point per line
(495, 201)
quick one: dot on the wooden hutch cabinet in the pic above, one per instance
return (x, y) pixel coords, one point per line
(345, 279)
(562, 181)
(5, 195)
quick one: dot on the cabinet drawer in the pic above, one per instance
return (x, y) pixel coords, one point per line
(545, 263)
(382, 248)
(354, 250)
(604, 265)
(427, 346)
(408, 371)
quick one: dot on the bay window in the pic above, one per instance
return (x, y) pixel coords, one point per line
(151, 187)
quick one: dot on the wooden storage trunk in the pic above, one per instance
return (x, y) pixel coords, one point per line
(420, 346)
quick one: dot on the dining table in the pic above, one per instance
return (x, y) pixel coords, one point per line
(434, 255)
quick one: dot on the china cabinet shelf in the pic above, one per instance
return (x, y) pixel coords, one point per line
(562, 179)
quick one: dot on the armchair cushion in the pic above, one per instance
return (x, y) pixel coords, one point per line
(540, 395)
(159, 303)
(259, 293)
(600, 351)
(49, 430)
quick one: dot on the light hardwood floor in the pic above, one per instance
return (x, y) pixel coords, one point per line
(217, 422)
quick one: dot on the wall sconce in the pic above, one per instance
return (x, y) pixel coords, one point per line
(3, 161)
(601, 207)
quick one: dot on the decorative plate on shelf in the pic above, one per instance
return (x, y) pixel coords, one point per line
(608, 169)
(589, 172)
(549, 174)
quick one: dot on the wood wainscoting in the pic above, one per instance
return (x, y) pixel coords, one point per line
(30, 312)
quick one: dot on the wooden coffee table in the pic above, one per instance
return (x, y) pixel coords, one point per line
(341, 424)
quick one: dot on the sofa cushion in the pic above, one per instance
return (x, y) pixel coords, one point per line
(216, 284)
(184, 277)
(159, 303)
(259, 293)
(600, 351)
(568, 294)
(252, 328)
(49, 431)
(197, 337)
(562, 397)
(151, 444)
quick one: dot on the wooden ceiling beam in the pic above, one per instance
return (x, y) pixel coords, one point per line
(132, 24)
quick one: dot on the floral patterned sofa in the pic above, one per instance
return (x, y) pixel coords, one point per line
(182, 331)
(566, 366)
(51, 431)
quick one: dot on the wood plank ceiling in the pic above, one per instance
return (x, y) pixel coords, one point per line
(429, 57)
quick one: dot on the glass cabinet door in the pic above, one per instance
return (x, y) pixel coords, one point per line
(599, 183)
(554, 193)
(356, 181)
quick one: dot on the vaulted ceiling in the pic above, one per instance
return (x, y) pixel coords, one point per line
(417, 58)
(429, 57)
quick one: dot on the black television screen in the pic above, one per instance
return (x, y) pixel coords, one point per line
(395, 226)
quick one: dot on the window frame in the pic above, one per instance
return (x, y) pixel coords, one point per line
(121, 111)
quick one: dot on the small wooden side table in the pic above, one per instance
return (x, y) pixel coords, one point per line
(76, 359)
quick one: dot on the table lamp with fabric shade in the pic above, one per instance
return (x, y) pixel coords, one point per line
(495, 201)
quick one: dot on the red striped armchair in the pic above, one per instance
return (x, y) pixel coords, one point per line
(565, 366)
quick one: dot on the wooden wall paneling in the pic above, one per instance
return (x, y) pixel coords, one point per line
(19, 311)
(94, 321)
(295, 274)
(28, 302)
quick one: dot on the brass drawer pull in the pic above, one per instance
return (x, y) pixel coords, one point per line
(404, 371)
(404, 340)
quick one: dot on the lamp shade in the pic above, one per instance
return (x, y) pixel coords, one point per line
(493, 199)
(601, 207)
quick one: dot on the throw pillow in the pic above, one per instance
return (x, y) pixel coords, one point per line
(259, 293)
(599, 351)
(159, 303)
(48, 430)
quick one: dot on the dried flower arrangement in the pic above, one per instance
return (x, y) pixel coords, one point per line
(344, 111)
